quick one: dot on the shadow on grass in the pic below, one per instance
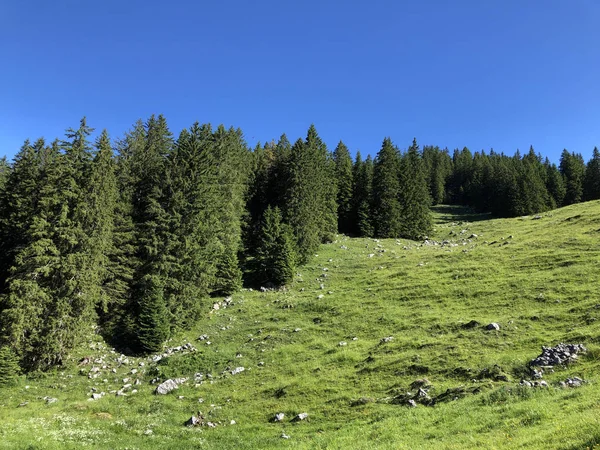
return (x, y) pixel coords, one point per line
(457, 213)
(591, 444)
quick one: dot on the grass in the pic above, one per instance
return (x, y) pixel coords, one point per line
(536, 278)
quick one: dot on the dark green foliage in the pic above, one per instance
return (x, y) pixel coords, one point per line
(138, 241)
(555, 185)
(9, 366)
(387, 221)
(415, 215)
(153, 322)
(151, 224)
(345, 182)
(459, 181)
(572, 169)
(362, 196)
(4, 171)
(17, 204)
(100, 210)
(438, 167)
(275, 259)
(311, 207)
(230, 181)
(591, 182)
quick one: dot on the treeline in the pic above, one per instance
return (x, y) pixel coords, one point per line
(511, 186)
(133, 236)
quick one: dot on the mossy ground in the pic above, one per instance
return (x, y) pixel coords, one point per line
(537, 278)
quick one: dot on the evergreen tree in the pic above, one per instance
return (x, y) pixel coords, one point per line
(117, 315)
(194, 222)
(17, 204)
(591, 183)
(572, 169)
(554, 185)
(9, 366)
(415, 215)
(4, 171)
(344, 179)
(387, 220)
(232, 183)
(311, 207)
(100, 221)
(363, 196)
(275, 257)
(151, 224)
(153, 325)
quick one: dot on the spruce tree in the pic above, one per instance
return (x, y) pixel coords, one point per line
(591, 182)
(275, 257)
(194, 222)
(554, 185)
(231, 152)
(387, 220)
(9, 366)
(572, 169)
(311, 207)
(415, 215)
(153, 325)
(4, 171)
(100, 217)
(151, 224)
(117, 317)
(345, 182)
(362, 196)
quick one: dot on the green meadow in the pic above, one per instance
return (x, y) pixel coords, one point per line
(319, 347)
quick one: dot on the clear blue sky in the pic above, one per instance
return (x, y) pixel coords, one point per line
(500, 73)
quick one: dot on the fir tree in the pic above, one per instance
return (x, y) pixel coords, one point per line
(572, 169)
(362, 196)
(414, 196)
(554, 185)
(591, 183)
(311, 207)
(151, 224)
(153, 324)
(386, 192)
(9, 366)
(275, 257)
(344, 179)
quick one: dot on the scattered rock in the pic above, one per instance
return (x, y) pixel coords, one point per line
(300, 417)
(278, 417)
(50, 400)
(493, 326)
(574, 382)
(166, 387)
(343, 344)
(561, 354)
(385, 340)
(148, 433)
(412, 403)
(284, 436)
(237, 370)
(96, 396)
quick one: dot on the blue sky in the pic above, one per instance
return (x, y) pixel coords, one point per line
(482, 74)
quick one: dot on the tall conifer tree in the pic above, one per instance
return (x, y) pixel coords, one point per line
(345, 185)
(386, 192)
(414, 196)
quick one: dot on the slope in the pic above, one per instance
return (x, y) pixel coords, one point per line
(365, 323)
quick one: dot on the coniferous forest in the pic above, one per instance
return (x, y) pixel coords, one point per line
(133, 236)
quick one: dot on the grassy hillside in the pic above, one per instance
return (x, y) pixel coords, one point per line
(319, 348)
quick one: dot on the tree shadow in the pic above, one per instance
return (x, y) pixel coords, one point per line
(457, 213)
